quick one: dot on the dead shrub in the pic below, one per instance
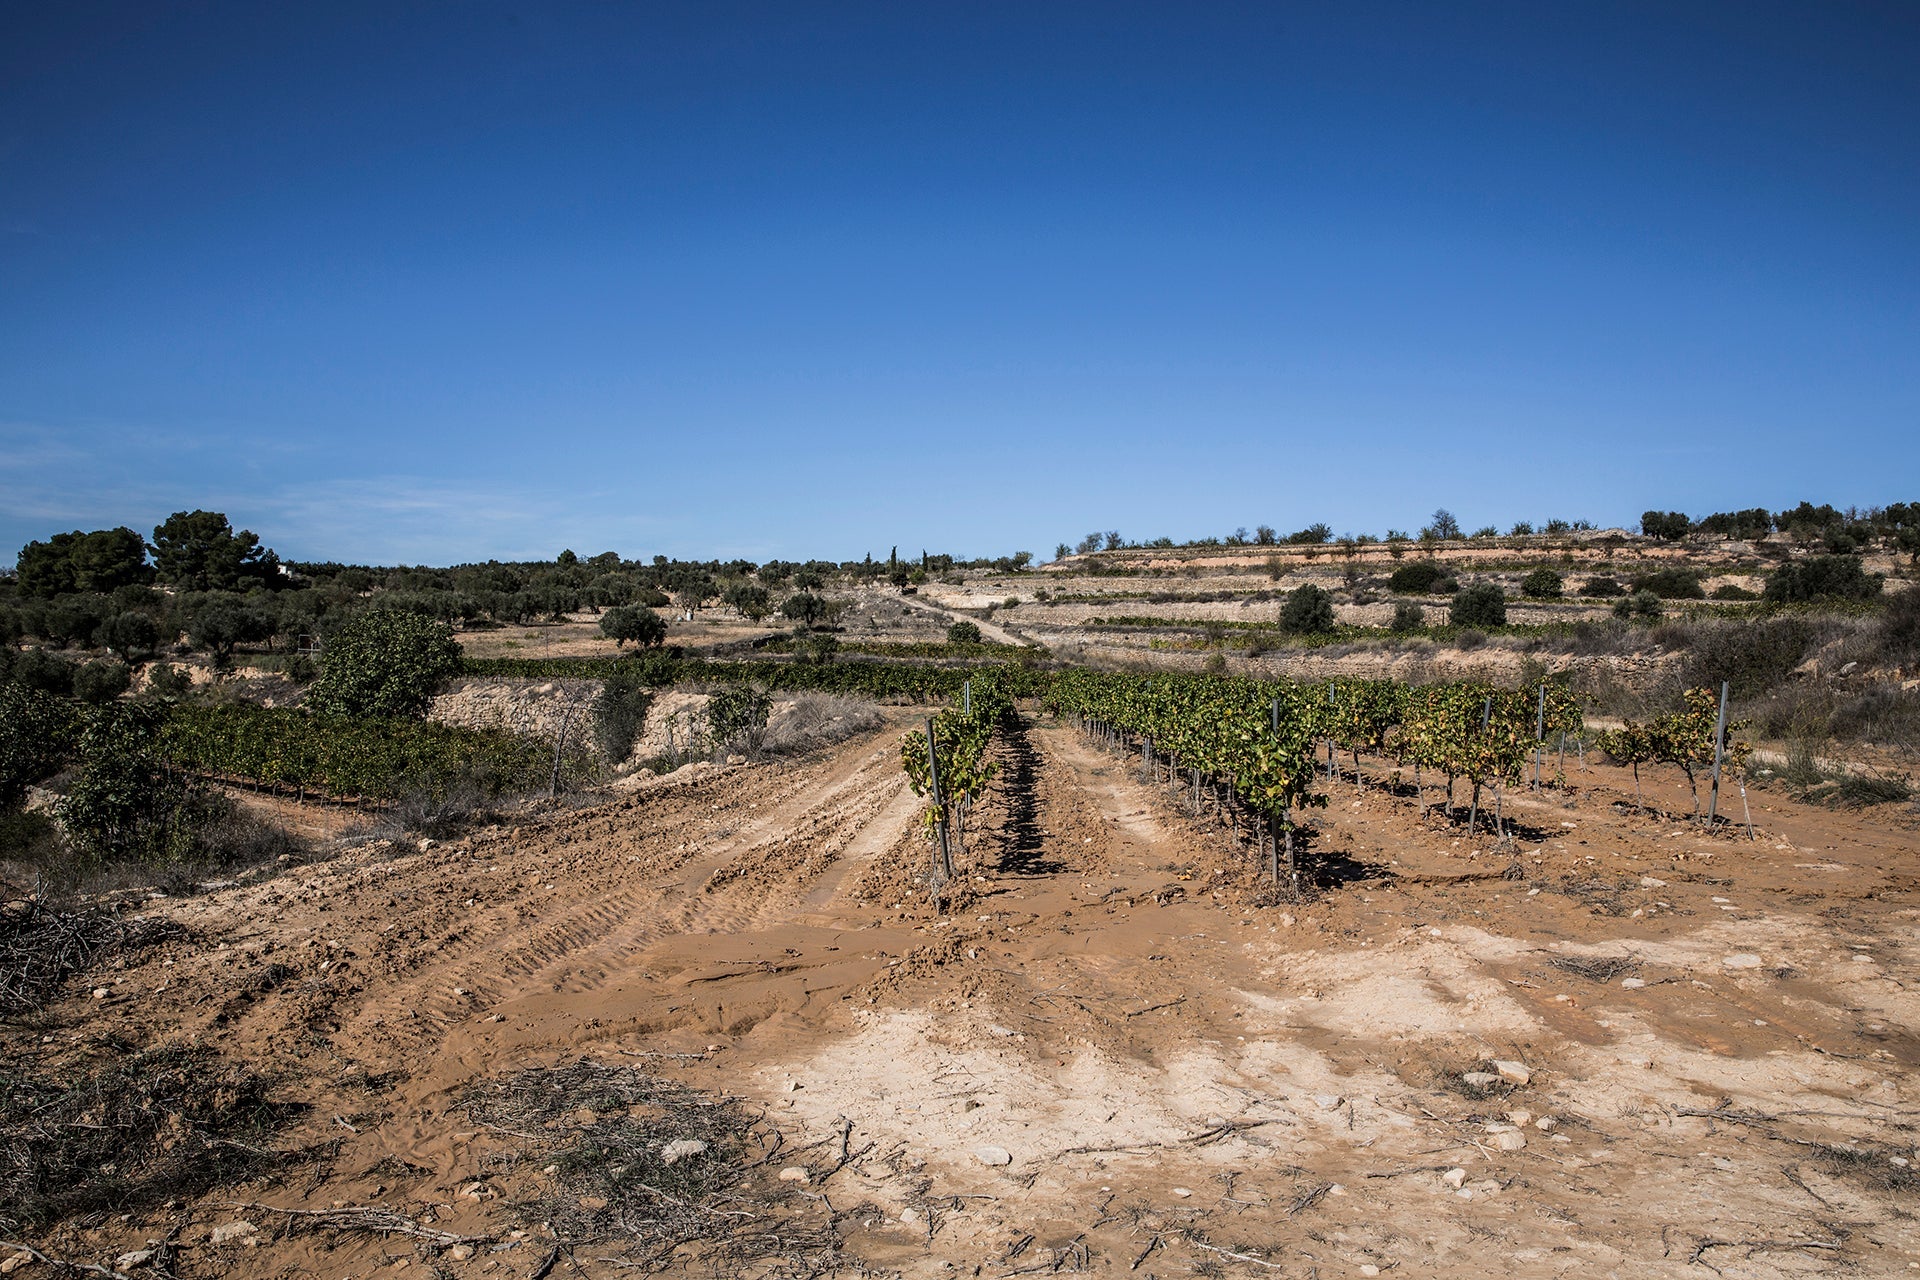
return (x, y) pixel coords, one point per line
(443, 812)
(609, 1134)
(137, 1130)
(1870, 1165)
(1601, 969)
(40, 947)
(1754, 656)
(1897, 635)
(817, 720)
(1879, 713)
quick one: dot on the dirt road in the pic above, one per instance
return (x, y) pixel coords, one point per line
(1697, 1051)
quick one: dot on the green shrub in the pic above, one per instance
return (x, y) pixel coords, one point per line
(370, 759)
(1671, 584)
(1731, 591)
(620, 712)
(815, 647)
(1823, 578)
(1308, 611)
(103, 681)
(1602, 588)
(38, 669)
(963, 633)
(1482, 604)
(1543, 584)
(384, 664)
(1408, 616)
(124, 804)
(37, 730)
(1641, 604)
(1416, 579)
(222, 622)
(164, 680)
(738, 713)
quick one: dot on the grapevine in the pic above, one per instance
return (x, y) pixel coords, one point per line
(1255, 738)
(1685, 738)
(961, 734)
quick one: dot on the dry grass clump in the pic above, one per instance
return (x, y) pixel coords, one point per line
(143, 1128)
(608, 1134)
(1595, 968)
(817, 720)
(1617, 898)
(1870, 1164)
(1814, 783)
(40, 946)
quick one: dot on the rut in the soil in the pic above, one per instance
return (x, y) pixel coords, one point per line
(1023, 850)
(585, 939)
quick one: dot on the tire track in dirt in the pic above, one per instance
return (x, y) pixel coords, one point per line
(592, 927)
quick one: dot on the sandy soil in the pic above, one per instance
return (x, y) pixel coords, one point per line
(1181, 1081)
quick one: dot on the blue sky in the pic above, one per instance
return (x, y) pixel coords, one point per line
(434, 282)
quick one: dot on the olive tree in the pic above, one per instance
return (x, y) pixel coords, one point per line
(633, 622)
(804, 608)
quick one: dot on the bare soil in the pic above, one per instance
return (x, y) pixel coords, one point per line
(1185, 1076)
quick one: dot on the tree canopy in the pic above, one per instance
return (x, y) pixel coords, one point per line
(384, 663)
(199, 551)
(103, 560)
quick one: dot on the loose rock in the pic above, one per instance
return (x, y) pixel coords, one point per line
(993, 1155)
(227, 1232)
(1513, 1072)
(1480, 1079)
(1745, 960)
(794, 1173)
(1455, 1178)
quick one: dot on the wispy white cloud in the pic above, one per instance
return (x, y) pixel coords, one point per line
(53, 478)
